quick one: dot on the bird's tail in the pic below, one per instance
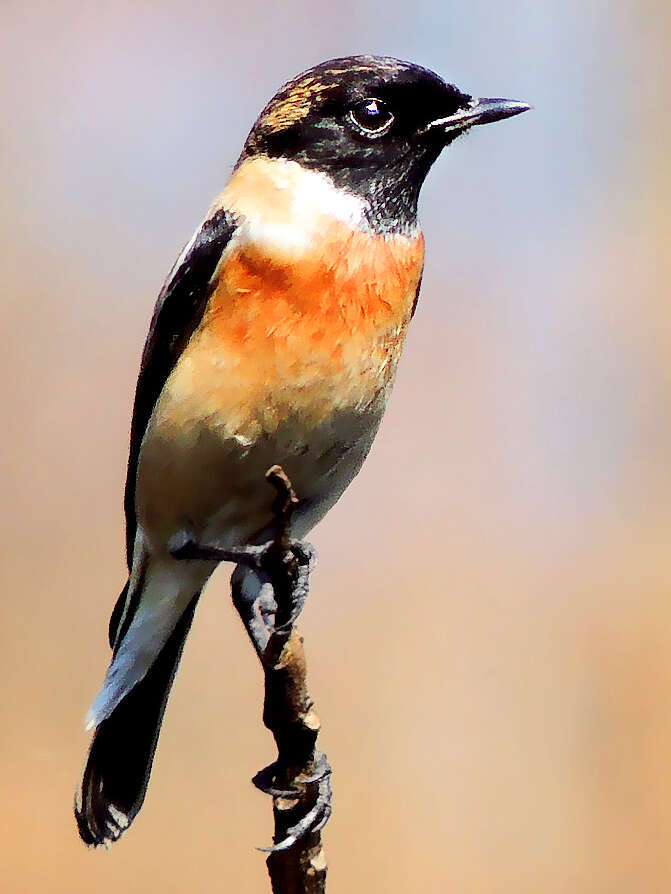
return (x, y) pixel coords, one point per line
(127, 713)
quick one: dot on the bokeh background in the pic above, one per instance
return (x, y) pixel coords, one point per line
(489, 632)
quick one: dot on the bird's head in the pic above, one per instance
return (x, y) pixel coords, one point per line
(374, 125)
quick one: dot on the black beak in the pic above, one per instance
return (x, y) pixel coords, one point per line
(478, 111)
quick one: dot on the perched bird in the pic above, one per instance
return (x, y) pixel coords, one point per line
(275, 339)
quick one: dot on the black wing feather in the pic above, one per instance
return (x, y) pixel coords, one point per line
(178, 312)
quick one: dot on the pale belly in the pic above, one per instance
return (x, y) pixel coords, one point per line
(201, 471)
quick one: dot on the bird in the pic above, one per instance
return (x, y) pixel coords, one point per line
(274, 340)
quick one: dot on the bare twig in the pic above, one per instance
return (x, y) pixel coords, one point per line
(299, 780)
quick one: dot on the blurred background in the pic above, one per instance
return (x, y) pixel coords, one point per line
(489, 630)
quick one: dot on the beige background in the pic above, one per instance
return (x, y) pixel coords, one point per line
(489, 631)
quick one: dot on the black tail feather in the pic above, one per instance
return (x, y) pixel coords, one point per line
(120, 758)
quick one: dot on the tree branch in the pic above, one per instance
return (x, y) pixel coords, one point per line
(299, 780)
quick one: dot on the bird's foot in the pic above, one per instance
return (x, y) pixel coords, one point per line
(264, 612)
(270, 603)
(313, 792)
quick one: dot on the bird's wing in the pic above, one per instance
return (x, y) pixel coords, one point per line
(178, 312)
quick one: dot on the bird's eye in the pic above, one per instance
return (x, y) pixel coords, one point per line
(371, 117)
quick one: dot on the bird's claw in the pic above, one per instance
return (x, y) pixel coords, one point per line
(318, 814)
(265, 782)
(305, 553)
(305, 556)
(265, 779)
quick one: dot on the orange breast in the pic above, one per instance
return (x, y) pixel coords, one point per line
(339, 313)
